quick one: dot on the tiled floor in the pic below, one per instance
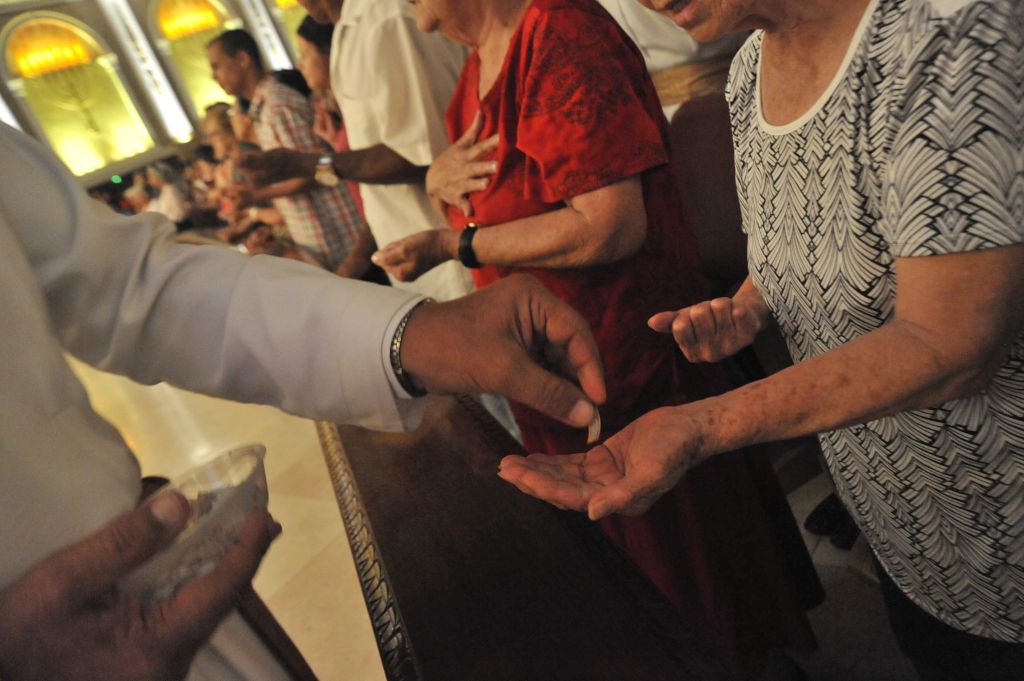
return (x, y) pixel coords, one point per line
(308, 578)
(855, 640)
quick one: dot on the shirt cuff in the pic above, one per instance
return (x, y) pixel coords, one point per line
(372, 395)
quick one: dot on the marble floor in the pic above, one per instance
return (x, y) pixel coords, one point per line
(854, 637)
(308, 578)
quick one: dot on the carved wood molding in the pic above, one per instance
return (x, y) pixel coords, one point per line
(396, 654)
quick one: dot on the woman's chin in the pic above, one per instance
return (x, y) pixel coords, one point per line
(684, 14)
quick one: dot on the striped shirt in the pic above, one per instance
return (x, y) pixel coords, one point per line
(323, 222)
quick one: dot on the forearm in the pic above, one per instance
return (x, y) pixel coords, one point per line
(377, 165)
(298, 185)
(266, 215)
(892, 369)
(561, 238)
(238, 309)
(123, 295)
(601, 226)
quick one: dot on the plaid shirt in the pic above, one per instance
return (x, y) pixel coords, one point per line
(323, 222)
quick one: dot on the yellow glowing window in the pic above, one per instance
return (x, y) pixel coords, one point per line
(187, 26)
(290, 14)
(73, 88)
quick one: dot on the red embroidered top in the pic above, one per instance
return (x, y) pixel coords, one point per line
(576, 111)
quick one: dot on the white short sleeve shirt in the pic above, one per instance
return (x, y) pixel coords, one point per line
(393, 84)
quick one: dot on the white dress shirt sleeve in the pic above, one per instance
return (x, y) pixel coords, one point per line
(123, 296)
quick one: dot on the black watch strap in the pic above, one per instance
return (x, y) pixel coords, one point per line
(466, 255)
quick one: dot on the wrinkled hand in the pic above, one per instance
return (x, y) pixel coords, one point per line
(459, 171)
(268, 167)
(514, 338)
(715, 329)
(65, 619)
(626, 474)
(408, 258)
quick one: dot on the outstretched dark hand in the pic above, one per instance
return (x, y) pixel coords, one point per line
(514, 338)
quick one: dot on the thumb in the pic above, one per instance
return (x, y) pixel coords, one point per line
(625, 495)
(549, 394)
(662, 322)
(195, 611)
(89, 568)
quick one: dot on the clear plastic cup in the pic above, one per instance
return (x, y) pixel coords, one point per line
(221, 494)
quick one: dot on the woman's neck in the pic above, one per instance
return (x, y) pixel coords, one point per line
(801, 56)
(498, 22)
(802, 25)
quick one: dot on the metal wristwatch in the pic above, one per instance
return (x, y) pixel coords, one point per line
(325, 174)
(467, 256)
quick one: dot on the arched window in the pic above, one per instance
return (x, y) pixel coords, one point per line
(71, 84)
(185, 27)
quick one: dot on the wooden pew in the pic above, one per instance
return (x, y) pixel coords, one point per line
(467, 579)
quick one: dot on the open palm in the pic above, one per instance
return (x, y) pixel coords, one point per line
(625, 474)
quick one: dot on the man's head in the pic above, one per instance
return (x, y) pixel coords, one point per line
(708, 20)
(323, 11)
(235, 62)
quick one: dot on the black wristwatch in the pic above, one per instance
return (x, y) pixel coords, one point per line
(466, 255)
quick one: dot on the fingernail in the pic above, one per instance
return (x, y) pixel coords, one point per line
(168, 509)
(375, 258)
(582, 413)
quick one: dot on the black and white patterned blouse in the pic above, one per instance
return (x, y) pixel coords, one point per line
(916, 149)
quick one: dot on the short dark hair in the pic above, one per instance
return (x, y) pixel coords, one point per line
(238, 40)
(318, 35)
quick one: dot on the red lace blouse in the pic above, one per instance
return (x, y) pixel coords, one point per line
(576, 111)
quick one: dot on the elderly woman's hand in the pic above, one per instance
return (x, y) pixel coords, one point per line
(459, 171)
(626, 474)
(715, 329)
(410, 257)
